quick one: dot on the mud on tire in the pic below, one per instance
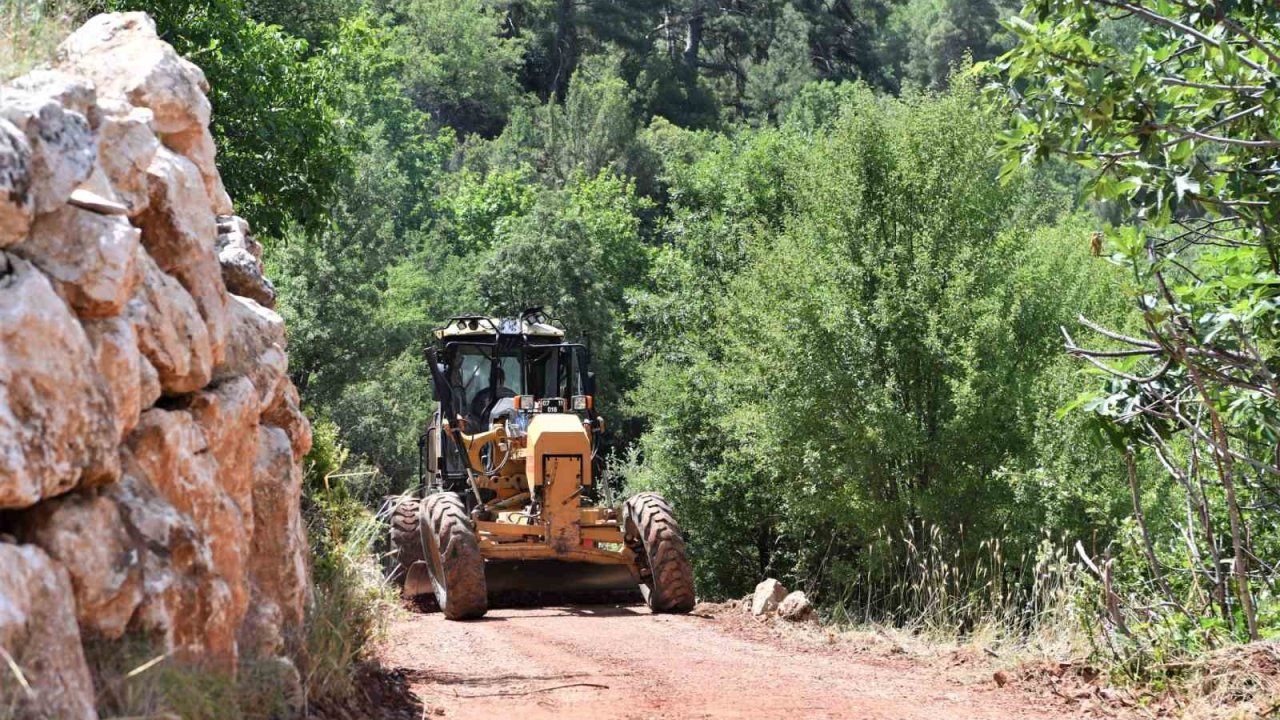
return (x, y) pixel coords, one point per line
(453, 557)
(404, 538)
(652, 533)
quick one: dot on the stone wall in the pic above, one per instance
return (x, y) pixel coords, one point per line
(150, 439)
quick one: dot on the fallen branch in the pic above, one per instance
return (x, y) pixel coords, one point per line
(538, 690)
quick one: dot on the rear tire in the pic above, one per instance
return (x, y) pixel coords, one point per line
(652, 533)
(452, 550)
(404, 538)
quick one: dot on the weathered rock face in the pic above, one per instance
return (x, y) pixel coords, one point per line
(127, 132)
(126, 280)
(62, 145)
(277, 568)
(38, 630)
(122, 54)
(179, 231)
(16, 199)
(89, 258)
(171, 453)
(57, 422)
(130, 379)
(241, 259)
(170, 332)
(88, 537)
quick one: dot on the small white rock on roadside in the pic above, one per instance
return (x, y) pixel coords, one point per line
(768, 594)
(795, 607)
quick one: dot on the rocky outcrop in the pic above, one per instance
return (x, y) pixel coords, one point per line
(150, 439)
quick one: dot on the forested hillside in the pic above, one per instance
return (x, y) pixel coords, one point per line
(952, 312)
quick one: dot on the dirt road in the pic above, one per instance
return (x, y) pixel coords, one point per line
(622, 662)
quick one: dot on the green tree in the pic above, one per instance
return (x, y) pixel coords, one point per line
(1177, 123)
(460, 62)
(281, 149)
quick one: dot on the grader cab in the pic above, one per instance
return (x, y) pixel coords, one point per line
(508, 459)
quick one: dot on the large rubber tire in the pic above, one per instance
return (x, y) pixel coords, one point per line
(404, 538)
(652, 533)
(453, 557)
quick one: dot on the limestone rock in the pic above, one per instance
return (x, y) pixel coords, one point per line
(170, 452)
(177, 565)
(149, 388)
(179, 231)
(63, 148)
(16, 199)
(255, 349)
(768, 594)
(122, 369)
(260, 633)
(241, 260)
(285, 412)
(38, 630)
(227, 414)
(87, 536)
(89, 257)
(122, 54)
(57, 423)
(127, 145)
(795, 607)
(228, 224)
(70, 91)
(171, 333)
(277, 563)
(196, 145)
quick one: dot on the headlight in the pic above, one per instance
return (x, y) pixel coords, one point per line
(581, 402)
(526, 403)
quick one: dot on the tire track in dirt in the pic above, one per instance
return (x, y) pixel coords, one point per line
(622, 662)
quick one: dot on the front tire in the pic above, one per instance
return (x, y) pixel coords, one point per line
(404, 538)
(454, 562)
(652, 533)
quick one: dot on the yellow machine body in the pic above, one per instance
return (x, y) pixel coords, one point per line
(535, 535)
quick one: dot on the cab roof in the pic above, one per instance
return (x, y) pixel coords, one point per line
(471, 326)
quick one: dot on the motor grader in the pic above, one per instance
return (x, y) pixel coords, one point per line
(507, 462)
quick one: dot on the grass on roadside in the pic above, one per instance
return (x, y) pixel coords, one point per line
(353, 601)
(30, 31)
(1043, 608)
(133, 679)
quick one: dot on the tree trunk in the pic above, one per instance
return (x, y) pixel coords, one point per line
(693, 40)
(566, 49)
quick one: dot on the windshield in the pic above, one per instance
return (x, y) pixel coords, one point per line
(553, 371)
(471, 372)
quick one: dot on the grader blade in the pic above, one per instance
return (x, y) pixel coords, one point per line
(548, 581)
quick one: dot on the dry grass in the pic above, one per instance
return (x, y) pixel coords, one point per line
(931, 588)
(134, 680)
(30, 31)
(354, 602)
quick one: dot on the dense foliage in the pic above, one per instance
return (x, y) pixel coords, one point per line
(1174, 107)
(823, 280)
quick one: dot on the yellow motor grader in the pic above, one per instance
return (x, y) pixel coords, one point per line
(507, 461)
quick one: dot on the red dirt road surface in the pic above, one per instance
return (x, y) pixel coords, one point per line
(623, 662)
